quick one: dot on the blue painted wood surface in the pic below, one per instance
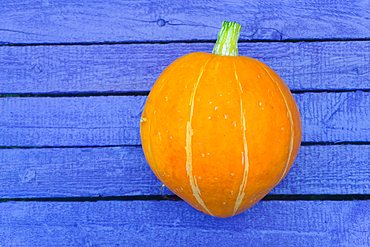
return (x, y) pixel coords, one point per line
(167, 223)
(63, 21)
(304, 66)
(115, 120)
(73, 81)
(112, 171)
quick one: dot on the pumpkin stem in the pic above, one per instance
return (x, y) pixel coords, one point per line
(227, 41)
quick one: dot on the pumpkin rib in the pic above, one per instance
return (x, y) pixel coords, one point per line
(291, 145)
(188, 147)
(245, 159)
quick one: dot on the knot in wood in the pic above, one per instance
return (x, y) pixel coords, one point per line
(161, 22)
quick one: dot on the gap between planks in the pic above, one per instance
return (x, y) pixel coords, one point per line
(151, 42)
(111, 146)
(277, 197)
(146, 93)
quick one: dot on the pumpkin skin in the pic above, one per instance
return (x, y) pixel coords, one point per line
(220, 131)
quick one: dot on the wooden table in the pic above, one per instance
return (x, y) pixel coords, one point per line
(74, 77)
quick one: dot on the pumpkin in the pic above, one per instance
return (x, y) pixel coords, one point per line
(220, 130)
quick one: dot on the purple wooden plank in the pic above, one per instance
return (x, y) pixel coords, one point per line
(101, 21)
(339, 169)
(70, 121)
(124, 68)
(151, 223)
(123, 171)
(75, 172)
(335, 117)
(114, 120)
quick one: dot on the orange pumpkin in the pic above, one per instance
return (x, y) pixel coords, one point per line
(220, 130)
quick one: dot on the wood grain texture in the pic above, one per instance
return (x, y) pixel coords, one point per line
(76, 172)
(114, 120)
(135, 67)
(167, 223)
(116, 21)
(335, 117)
(123, 171)
(70, 121)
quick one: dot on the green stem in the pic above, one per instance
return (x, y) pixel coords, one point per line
(227, 41)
